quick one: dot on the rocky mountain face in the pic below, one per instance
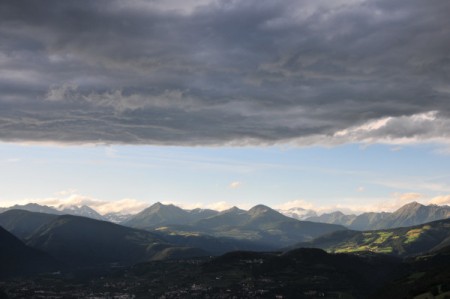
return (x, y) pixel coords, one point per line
(410, 214)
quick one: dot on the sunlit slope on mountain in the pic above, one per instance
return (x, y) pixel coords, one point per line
(403, 241)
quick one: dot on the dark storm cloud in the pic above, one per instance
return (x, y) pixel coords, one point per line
(224, 72)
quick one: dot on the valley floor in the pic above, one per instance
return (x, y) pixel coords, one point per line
(302, 273)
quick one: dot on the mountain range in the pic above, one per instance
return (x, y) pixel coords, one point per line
(83, 210)
(385, 263)
(159, 215)
(260, 224)
(410, 214)
(76, 240)
(80, 241)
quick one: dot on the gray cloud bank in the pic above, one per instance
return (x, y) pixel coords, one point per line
(224, 72)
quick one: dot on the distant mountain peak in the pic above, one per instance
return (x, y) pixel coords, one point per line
(158, 206)
(32, 204)
(296, 209)
(410, 207)
(34, 207)
(413, 204)
(233, 209)
(159, 214)
(298, 213)
(84, 211)
(260, 209)
(261, 206)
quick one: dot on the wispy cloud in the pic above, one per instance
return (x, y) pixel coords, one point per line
(367, 204)
(440, 200)
(298, 203)
(12, 160)
(235, 185)
(415, 183)
(72, 197)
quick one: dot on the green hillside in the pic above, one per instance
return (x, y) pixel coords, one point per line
(403, 241)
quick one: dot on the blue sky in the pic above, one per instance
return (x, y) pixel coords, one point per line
(328, 105)
(350, 176)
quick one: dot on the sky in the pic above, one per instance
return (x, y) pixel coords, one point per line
(206, 103)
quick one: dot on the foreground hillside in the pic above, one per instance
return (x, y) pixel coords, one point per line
(18, 259)
(35, 228)
(418, 263)
(23, 224)
(84, 241)
(79, 241)
(405, 241)
(300, 273)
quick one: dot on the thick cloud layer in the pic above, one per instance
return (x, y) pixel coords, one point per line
(224, 72)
